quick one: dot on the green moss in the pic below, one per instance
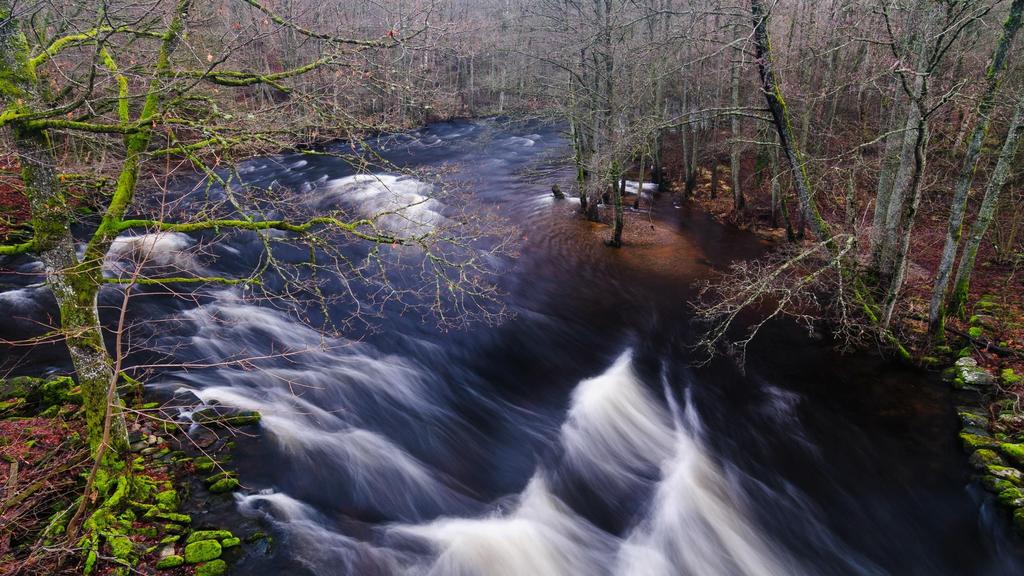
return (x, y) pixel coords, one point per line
(975, 331)
(204, 463)
(224, 485)
(230, 542)
(1015, 452)
(982, 459)
(1009, 378)
(973, 442)
(1011, 498)
(208, 535)
(202, 551)
(1011, 475)
(215, 568)
(995, 485)
(972, 419)
(172, 561)
(121, 547)
(167, 500)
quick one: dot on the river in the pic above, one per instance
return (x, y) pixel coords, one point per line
(578, 437)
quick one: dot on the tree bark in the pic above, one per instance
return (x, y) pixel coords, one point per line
(962, 282)
(738, 202)
(783, 125)
(993, 76)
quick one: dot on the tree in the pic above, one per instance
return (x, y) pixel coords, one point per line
(139, 87)
(993, 76)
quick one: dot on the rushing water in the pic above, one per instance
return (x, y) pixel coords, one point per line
(577, 438)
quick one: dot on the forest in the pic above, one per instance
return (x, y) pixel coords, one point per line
(511, 287)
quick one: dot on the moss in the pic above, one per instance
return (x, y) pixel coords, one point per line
(1018, 520)
(172, 561)
(230, 542)
(973, 442)
(1011, 498)
(208, 535)
(1011, 475)
(995, 485)
(224, 485)
(215, 568)
(1015, 452)
(202, 551)
(972, 420)
(121, 547)
(204, 463)
(90, 563)
(167, 500)
(975, 331)
(982, 459)
(1009, 378)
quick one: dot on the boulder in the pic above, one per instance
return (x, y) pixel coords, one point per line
(202, 551)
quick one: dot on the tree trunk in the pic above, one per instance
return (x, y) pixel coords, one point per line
(962, 283)
(617, 190)
(735, 148)
(993, 75)
(780, 117)
(74, 284)
(890, 163)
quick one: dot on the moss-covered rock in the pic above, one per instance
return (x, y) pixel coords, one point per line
(224, 485)
(230, 542)
(172, 561)
(983, 458)
(1011, 498)
(214, 568)
(121, 547)
(167, 500)
(973, 442)
(208, 535)
(995, 485)
(972, 419)
(202, 551)
(204, 463)
(1018, 520)
(1009, 377)
(1011, 475)
(1014, 452)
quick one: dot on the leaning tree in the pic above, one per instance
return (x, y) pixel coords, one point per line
(99, 103)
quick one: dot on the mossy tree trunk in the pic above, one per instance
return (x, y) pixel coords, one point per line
(74, 283)
(958, 206)
(962, 282)
(735, 148)
(783, 125)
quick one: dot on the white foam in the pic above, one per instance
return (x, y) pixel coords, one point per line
(540, 536)
(397, 203)
(616, 430)
(696, 525)
(173, 250)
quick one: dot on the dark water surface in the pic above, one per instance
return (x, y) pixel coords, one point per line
(576, 438)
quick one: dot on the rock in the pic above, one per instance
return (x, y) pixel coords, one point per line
(1011, 498)
(166, 551)
(203, 463)
(965, 362)
(967, 375)
(202, 551)
(972, 419)
(556, 191)
(215, 568)
(167, 500)
(230, 542)
(973, 442)
(208, 535)
(995, 485)
(168, 562)
(1015, 452)
(983, 458)
(121, 547)
(224, 485)
(1011, 475)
